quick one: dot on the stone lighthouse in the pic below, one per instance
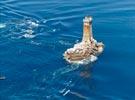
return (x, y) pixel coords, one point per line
(87, 29)
(88, 49)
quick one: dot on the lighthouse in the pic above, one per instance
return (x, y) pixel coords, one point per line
(88, 49)
(87, 30)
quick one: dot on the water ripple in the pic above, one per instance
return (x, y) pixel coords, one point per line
(35, 33)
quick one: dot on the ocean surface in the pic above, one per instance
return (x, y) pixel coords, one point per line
(34, 35)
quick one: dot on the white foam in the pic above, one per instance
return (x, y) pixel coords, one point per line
(29, 31)
(65, 70)
(28, 36)
(64, 42)
(33, 24)
(45, 20)
(54, 30)
(35, 43)
(2, 25)
(91, 59)
(66, 92)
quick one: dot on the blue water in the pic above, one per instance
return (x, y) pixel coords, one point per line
(35, 33)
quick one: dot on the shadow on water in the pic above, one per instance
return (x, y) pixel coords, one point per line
(51, 85)
(63, 82)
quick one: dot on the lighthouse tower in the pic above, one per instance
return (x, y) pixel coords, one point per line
(87, 30)
(87, 50)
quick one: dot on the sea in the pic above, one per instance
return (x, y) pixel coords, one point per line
(34, 34)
